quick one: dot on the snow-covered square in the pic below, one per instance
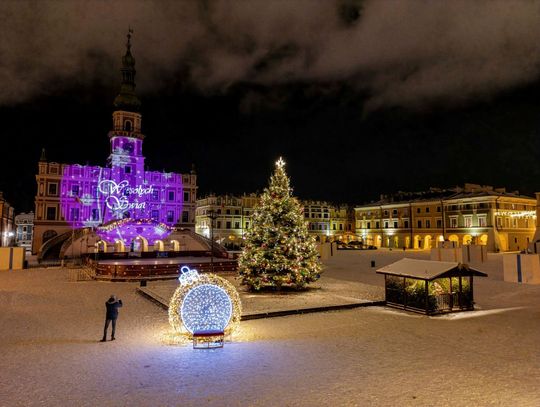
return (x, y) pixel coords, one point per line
(51, 354)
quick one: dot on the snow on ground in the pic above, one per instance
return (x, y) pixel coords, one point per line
(50, 354)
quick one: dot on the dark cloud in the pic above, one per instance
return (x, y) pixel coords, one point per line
(403, 53)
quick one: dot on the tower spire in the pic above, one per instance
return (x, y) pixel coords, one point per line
(127, 99)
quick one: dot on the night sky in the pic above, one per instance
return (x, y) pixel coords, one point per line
(359, 97)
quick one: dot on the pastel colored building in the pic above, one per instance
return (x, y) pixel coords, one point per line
(473, 214)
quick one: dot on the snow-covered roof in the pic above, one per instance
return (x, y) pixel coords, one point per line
(428, 269)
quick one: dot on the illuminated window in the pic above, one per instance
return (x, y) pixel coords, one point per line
(453, 222)
(468, 221)
(482, 221)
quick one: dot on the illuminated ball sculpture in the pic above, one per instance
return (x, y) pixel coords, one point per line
(204, 302)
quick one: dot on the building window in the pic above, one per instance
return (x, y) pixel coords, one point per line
(237, 225)
(377, 225)
(155, 195)
(228, 211)
(453, 222)
(438, 208)
(341, 226)
(439, 223)
(186, 196)
(185, 217)
(247, 225)
(171, 195)
(219, 211)
(385, 213)
(74, 190)
(51, 213)
(155, 215)
(170, 216)
(428, 223)
(419, 224)
(52, 189)
(228, 225)
(394, 212)
(334, 226)
(218, 224)
(417, 210)
(95, 214)
(369, 225)
(499, 222)
(468, 221)
(395, 225)
(127, 169)
(427, 210)
(386, 224)
(482, 221)
(406, 224)
(514, 223)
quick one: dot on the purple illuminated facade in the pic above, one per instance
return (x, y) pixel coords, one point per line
(120, 202)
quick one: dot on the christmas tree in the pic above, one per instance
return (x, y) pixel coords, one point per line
(278, 250)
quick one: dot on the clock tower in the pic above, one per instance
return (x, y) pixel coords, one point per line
(126, 159)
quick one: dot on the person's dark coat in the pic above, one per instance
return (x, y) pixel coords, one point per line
(112, 308)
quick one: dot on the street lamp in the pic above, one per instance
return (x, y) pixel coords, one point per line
(212, 215)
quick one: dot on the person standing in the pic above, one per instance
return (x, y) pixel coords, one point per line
(112, 314)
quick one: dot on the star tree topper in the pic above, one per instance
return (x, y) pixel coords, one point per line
(280, 163)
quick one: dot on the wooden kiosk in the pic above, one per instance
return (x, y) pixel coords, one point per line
(429, 287)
